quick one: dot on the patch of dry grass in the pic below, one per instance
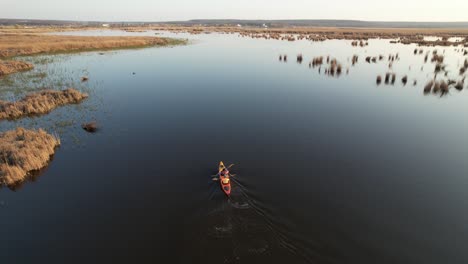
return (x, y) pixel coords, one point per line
(27, 44)
(40, 103)
(24, 151)
(9, 67)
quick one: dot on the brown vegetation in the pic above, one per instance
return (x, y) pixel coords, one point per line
(393, 78)
(40, 103)
(299, 58)
(28, 44)
(9, 67)
(317, 61)
(90, 127)
(404, 80)
(24, 151)
(428, 87)
(359, 36)
(379, 79)
(459, 84)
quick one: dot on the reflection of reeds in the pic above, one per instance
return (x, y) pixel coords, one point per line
(387, 78)
(428, 87)
(439, 67)
(437, 58)
(299, 58)
(436, 87)
(459, 84)
(444, 88)
(317, 61)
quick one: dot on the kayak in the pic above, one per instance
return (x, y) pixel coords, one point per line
(224, 180)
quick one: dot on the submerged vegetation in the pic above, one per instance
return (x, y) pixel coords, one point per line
(23, 151)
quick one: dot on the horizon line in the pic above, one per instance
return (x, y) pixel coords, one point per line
(230, 19)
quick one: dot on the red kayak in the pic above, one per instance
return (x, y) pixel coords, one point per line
(224, 179)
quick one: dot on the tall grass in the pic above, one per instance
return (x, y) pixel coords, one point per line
(24, 151)
(40, 103)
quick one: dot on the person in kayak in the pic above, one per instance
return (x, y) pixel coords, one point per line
(225, 174)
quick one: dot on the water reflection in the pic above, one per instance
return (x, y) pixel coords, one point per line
(331, 170)
(440, 84)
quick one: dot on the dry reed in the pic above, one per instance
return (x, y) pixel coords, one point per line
(9, 67)
(28, 44)
(40, 103)
(24, 151)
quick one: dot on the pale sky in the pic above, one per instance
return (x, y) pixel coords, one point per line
(167, 10)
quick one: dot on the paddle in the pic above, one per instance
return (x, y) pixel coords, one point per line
(216, 175)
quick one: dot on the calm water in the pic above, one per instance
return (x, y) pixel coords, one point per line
(329, 170)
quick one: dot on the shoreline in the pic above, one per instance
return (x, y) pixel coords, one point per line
(15, 45)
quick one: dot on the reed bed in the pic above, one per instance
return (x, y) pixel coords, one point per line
(27, 44)
(358, 36)
(23, 151)
(40, 103)
(9, 67)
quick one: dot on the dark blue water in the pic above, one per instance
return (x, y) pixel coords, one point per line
(329, 170)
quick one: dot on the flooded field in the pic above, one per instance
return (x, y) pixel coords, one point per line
(330, 168)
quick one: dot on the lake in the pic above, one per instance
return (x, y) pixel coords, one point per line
(328, 169)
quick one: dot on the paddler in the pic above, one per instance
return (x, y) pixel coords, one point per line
(224, 172)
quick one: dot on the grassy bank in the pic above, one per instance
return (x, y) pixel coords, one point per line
(12, 45)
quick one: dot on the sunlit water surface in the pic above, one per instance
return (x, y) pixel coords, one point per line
(329, 170)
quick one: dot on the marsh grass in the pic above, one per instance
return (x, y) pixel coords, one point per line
(13, 45)
(40, 103)
(23, 151)
(9, 67)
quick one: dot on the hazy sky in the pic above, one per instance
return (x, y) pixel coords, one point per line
(165, 10)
